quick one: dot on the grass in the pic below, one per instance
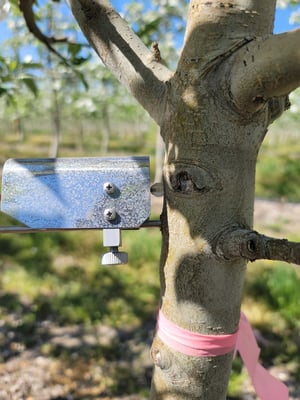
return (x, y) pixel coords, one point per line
(278, 287)
(278, 168)
(56, 280)
(62, 276)
(271, 302)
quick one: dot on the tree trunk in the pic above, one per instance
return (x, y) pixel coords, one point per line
(106, 129)
(55, 121)
(81, 135)
(209, 186)
(213, 113)
(18, 122)
(55, 112)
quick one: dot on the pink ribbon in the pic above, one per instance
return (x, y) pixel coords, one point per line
(266, 386)
(194, 344)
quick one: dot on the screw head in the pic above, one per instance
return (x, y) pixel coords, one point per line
(110, 214)
(109, 187)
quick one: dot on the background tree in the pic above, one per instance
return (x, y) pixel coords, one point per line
(213, 111)
(98, 90)
(16, 72)
(24, 67)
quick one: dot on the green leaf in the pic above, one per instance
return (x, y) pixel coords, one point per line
(74, 49)
(30, 83)
(6, 78)
(79, 60)
(12, 65)
(146, 31)
(31, 65)
(81, 76)
(3, 91)
(14, 3)
(150, 28)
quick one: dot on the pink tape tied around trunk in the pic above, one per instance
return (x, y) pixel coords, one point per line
(194, 344)
(243, 340)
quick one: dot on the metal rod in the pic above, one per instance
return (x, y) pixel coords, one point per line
(25, 229)
(154, 223)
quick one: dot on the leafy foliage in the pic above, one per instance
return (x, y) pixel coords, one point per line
(278, 166)
(13, 74)
(278, 177)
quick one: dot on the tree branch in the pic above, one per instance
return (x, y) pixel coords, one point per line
(123, 53)
(264, 69)
(215, 29)
(29, 17)
(238, 242)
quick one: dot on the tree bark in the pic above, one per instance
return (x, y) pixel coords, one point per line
(135, 66)
(212, 125)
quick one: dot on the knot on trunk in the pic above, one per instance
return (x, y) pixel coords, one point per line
(159, 357)
(188, 178)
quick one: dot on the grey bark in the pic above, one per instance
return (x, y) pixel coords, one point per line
(133, 64)
(213, 112)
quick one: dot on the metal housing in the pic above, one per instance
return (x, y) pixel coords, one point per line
(66, 193)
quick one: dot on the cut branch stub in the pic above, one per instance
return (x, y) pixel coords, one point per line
(237, 242)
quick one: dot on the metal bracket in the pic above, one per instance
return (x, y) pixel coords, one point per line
(78, 193)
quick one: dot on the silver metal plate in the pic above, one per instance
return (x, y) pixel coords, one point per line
(67, 193)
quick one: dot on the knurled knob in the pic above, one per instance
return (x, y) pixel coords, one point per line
(114, 258)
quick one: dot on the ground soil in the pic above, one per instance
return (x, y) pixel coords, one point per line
(35, 374)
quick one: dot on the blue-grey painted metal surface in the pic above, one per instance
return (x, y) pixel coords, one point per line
(68, 193)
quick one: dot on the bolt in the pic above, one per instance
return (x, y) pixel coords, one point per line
(110, 214)
(109, 187)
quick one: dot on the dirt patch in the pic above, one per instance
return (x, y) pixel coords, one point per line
(276, 217)
(76, 363)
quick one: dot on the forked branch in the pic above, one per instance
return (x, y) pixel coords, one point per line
(29, 17)
(264, 69)
(123, 53)
(253, 246)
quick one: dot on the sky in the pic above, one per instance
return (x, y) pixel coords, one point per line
(281, 20)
